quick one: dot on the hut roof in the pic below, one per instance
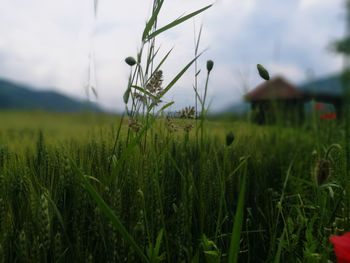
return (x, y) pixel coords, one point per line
(276, 88)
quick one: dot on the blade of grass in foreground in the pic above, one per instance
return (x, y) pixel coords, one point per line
(178, 76)
(237, 225)
(162, 61)
(279, 250)
(176, 22)
(108, 212)
(152, 20)
(175, 79)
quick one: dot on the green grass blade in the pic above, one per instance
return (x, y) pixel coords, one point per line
(133, 143)
(176, 22)
(158, 242)
(144, 92)
(162, 61)
(178, 76)
(108, 212)
(150, 59)
(197, 94)
(237, 225)
(198, 39)
(279, 250)
(166, 106)
(152, 20)
(126, 95)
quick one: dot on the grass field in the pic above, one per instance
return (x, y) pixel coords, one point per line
(145, 188)
(177, 200)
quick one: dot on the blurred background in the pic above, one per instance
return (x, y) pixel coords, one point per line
(54, 53)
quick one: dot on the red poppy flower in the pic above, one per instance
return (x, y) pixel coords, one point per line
(328, 116)
(342, 247)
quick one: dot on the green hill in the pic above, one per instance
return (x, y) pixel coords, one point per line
(21, 97)
(331, 86)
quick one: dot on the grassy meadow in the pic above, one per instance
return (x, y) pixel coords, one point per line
(178, 200)
(144, 187)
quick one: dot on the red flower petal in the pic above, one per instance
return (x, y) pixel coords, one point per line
(342, 247)
(328, 116)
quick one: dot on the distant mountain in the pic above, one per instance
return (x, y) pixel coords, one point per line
(239, 107)
(331, 86)
(22, 97)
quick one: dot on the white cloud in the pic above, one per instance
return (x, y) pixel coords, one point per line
(308, 3)
(292, 72)
(311, 4)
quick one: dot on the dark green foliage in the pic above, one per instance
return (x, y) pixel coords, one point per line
(342, 46)
(230, 138)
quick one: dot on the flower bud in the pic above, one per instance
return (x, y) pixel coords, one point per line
(263, 72)
(130, 61)
(210, 65)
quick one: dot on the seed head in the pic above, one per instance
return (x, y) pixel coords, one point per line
(187, 113)
(44, 220)
(134, 125)
(142, 98)
(210, 65)
(130, 61)
(171, 125)
(322, 171)
(188, 127)
(154, 85)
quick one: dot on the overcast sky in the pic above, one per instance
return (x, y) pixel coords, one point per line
(46, 43)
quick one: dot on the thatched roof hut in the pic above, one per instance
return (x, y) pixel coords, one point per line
(276, 97)
(277, 88)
